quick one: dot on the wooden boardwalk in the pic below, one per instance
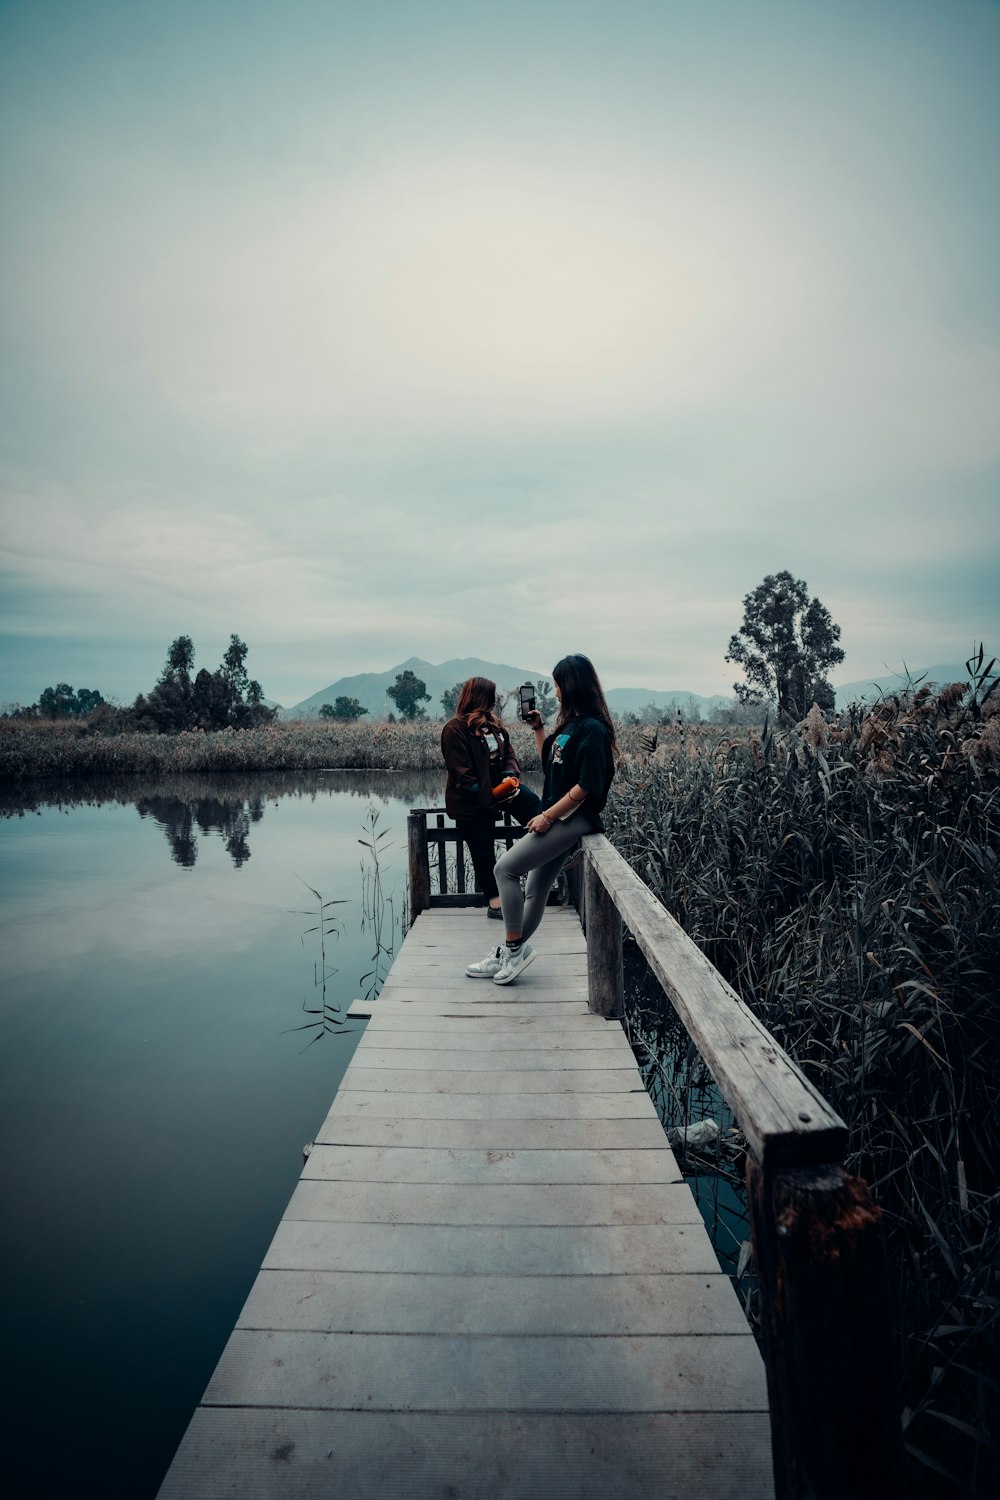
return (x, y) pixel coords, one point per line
(491, 1280)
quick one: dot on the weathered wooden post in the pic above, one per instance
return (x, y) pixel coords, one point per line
(605, 976)
(442, 860)
(420, 874)
(574, 887)
(835, 1428)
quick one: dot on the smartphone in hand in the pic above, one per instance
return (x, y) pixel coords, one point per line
(527, 696)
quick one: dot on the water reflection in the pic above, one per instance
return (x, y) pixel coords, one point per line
(709, 1147)
(223, 805)
(179, 818)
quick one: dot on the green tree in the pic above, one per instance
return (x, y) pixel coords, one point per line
(409, 694)
(347, 710)
(234, 668)
(786, 645)
(170, 704)
(449, 699)
(62, 702)
(227, 698)
(87, 699)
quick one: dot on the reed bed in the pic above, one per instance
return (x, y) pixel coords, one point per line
(63, 748)
(845, 881)
(33, 748)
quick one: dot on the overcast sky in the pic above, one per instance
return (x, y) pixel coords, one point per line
(371, 329)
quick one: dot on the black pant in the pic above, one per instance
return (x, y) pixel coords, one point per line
(478, 833)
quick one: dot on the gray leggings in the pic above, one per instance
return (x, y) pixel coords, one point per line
(540, 856)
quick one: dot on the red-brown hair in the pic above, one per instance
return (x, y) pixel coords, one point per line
(477, 703)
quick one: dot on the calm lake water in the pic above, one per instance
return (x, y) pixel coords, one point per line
(155, 1094)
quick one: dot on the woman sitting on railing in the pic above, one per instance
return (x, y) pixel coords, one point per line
(578, 758)
(481, 764)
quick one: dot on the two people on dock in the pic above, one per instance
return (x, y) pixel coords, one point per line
(578, 760)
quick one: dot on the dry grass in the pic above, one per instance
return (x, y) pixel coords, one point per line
(62, 748)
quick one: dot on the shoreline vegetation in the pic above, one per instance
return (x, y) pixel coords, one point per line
(844, 877)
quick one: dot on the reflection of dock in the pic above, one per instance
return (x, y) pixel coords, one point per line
(491, 1279)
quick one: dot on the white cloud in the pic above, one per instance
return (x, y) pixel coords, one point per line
(571, 381)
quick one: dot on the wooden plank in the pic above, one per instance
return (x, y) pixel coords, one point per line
(466, 1249)
(568, 959)
(436, 1081)
(352, 1129)
(555, 974)
(494, 1005)
(409, 1035)
(375, 1302)
(423, 1060)
(452, 925)
(271, 1454)
(483, 999)
(474, 1105)
(428, 1164)
(414, 1372)
(786, 1120)
(523, 1205)
(497, 1030)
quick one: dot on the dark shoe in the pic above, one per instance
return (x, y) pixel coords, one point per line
(495, 913)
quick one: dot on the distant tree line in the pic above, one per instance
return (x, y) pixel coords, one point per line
(786, 646)
(225, 699)
(345, 710)
(62, 702)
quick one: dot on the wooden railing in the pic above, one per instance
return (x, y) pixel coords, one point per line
(826, 1339)
(421, 833)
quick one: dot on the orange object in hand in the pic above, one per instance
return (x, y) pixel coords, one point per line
(507, 787)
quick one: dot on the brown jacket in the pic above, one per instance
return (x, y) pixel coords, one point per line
(469, 789)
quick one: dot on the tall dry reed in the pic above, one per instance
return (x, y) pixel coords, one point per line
(845, 880)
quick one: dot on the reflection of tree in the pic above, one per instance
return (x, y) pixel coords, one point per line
(180, 816)
(414, 788)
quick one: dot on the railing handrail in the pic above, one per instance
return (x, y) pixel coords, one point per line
(784, 1117)
(786, 1120)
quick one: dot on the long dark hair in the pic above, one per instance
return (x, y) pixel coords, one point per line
(582, 694)
(477, 703)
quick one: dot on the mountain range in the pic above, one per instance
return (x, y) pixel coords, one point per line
(370, 687)
(938, 675)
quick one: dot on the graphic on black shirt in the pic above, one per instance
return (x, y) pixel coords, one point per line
(580, 754)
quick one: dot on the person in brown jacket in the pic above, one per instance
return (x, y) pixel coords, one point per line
(479, 756)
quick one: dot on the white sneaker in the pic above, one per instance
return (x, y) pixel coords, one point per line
(490, 965)
(514, 960)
